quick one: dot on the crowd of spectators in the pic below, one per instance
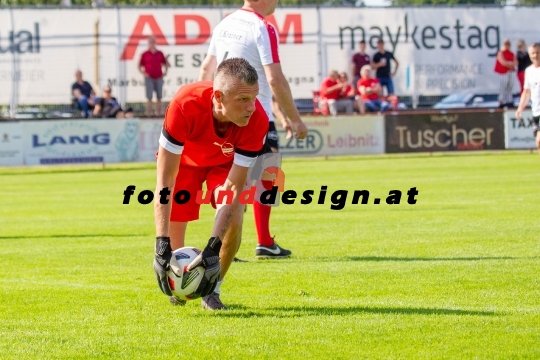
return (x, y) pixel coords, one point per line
(506, 64)
(152, 64)
(104, 106)
(365, 92)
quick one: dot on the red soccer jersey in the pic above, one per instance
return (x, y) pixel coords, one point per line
(328, 83)
(152, 63)
(368, 83)
(188, 129)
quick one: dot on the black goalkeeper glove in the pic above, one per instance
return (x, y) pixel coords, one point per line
(209, 260)
(162, 263)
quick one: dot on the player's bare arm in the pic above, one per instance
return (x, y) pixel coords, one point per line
(167, 169)
(523, 101)
(280, 115)
(208, 68)
(235, 183)
(282, 92)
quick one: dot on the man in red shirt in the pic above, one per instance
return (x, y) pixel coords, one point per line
(212, 133)
(331, 89)
(505, 66)
(151, 64)
(370, 90)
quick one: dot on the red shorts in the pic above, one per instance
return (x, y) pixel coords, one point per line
(191, 179)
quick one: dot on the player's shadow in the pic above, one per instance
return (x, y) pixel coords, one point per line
(302, 311)
(397, 258)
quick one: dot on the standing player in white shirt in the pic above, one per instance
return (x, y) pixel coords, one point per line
(531, 90)
(246, 34)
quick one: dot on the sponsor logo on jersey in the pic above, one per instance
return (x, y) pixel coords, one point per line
(226, 148)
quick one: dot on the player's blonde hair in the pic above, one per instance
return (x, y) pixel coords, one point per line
(234, 68)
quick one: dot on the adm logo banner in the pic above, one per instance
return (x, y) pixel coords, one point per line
(448, 132)
(81, 141)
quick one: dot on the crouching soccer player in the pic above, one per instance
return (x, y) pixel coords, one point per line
(212, 133)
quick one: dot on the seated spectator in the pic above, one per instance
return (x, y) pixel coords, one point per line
(349, 92)
(370, 90)
(83, 93)
(331, 89)
(108, 106)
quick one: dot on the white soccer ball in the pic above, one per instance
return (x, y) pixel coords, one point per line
(183, 283)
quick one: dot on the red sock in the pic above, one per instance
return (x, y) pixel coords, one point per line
(262, 223)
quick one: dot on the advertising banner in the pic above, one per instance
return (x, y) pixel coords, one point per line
(11, 144)
(184, 34)
(444, 132)
(149, 132)
(519, 134)
(347, 135)
(441, 50)
(80, 141)
(40, 50)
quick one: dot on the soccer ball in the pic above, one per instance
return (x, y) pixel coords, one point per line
(183, 283)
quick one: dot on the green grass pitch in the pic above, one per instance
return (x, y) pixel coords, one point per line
(454, 276)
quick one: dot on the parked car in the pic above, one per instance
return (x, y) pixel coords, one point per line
(470, 101)
(465, 100)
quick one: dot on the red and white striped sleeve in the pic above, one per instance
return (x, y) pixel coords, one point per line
(267, 44)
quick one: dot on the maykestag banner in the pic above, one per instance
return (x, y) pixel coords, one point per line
(80, 141)
(444, 132)
(440, 50)
(11, 143)
(347, 135)
(519, 134)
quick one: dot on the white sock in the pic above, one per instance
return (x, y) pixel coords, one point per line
(218, 287)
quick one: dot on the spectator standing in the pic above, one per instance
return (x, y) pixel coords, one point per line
(358, 61)
(370, 90)
(531, 90)
(83, 92)
(524, 61)
(381, 63)
(505, 66)
(153, 65)
(331, 89)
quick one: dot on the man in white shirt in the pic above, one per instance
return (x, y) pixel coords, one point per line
(531, 90)
(246, 34)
